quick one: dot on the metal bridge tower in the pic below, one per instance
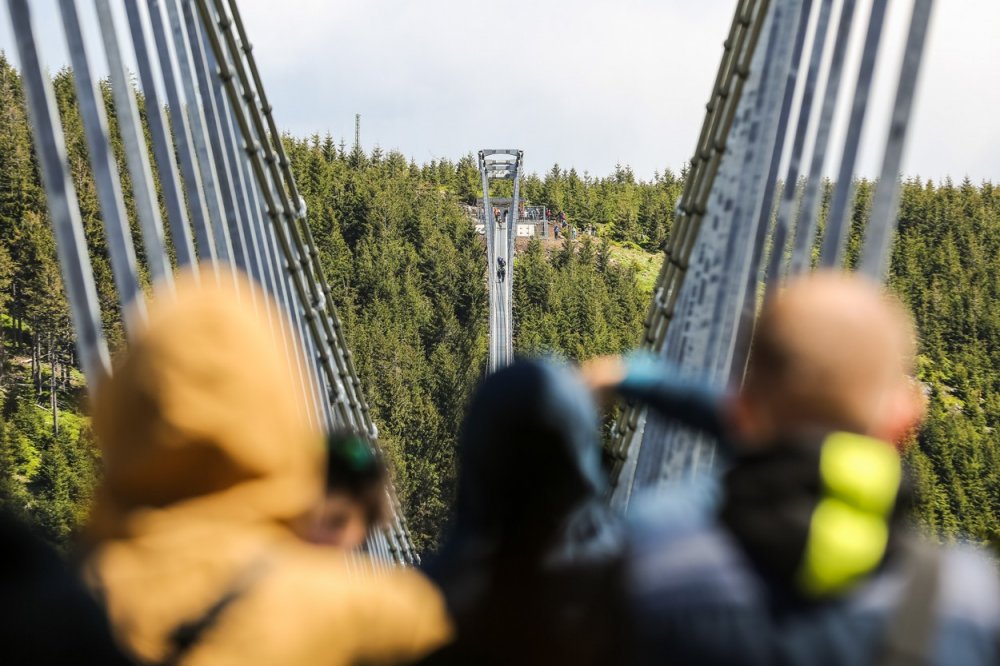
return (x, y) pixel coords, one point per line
(500, 164)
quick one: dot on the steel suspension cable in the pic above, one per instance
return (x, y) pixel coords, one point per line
(702, 338)
(305, 274)
(807, 219)
(220, 167)
(882, 223)
(748, 311)
(105, 171)
(136, 155)
(166, 163)
(63, 206)
(183, 140)
(781, 226)
(195, 111)
(838, 225)
(343, 357)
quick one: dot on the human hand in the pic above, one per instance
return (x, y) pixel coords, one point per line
(602, 374)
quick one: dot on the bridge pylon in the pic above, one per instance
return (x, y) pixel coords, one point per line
(500, 226)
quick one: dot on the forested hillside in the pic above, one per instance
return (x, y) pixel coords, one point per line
(408, 272)
(945, 266)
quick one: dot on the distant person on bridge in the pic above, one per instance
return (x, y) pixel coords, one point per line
(211, 461)
(532, 566)
(355, 501)
(501, 269)
(802, 553)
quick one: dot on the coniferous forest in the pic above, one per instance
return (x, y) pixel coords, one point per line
(408, 272)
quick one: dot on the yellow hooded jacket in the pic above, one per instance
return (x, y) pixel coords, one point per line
(210, 459)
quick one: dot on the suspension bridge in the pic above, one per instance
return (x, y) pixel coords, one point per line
(230, 198)
(503, 164)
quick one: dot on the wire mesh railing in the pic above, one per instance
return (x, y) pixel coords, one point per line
(727, 90)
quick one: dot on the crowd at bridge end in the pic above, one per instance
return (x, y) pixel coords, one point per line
(229, 529)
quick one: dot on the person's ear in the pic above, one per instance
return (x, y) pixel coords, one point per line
(601, 375)
(904, 413)
(746, 419)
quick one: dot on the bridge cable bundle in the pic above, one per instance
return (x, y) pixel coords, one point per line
(728, 247)
(229, 194)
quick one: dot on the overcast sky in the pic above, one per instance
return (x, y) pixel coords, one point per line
(580, 82)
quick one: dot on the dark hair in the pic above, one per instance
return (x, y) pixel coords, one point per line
(354, 467)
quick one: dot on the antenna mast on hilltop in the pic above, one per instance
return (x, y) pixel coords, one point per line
(357, 131)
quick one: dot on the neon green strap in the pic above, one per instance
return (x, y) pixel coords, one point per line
(849, 529)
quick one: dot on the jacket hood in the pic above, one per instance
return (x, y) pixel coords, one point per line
(530, 486)
(204, 414)
(531, 522)
(529, 450)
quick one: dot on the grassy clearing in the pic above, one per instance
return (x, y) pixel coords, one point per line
(646, 263)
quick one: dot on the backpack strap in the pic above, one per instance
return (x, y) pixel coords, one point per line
(909, 637)
(188, 634)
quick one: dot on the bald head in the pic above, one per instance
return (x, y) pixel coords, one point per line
(835, 351)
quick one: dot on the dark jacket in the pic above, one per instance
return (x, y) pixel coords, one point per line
(47, 617)
(719, 581)
(532, 570)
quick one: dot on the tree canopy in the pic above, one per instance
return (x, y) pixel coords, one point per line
(408, 272)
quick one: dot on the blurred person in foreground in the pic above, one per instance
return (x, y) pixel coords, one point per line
(355, 499)
(46, 615)
(807, 556)
(211, 462)
(532, 569)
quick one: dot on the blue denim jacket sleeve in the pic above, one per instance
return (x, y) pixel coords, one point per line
(658, 384)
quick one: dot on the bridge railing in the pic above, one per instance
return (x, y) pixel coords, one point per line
(229, 194)
(706, 297)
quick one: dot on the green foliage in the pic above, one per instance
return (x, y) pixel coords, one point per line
(408, 274)
(574, 305)
(945, 264)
